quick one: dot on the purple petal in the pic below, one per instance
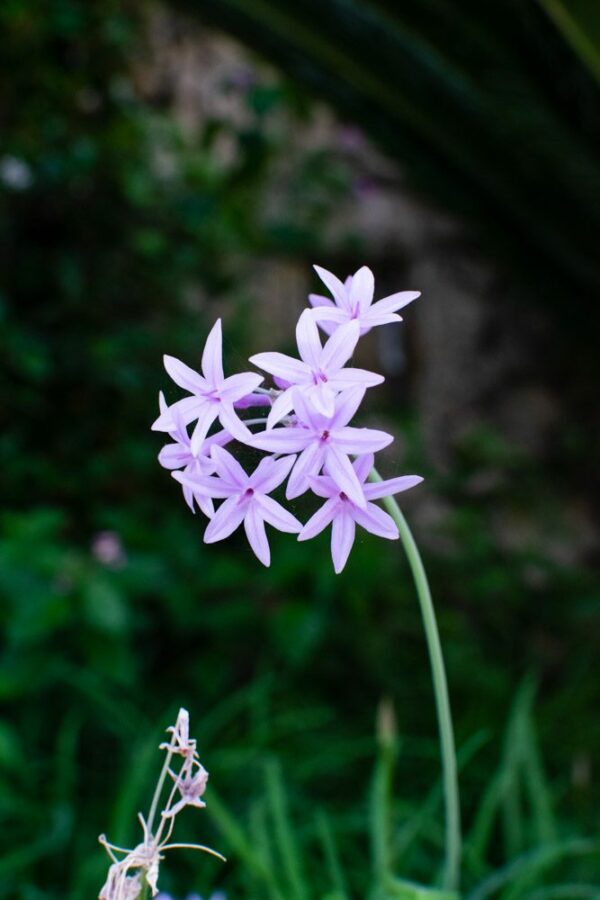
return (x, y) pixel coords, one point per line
(349, 376)
(207, 415)
(179, 430)
(316, 300)
(220, 438)
(185, 410)
(346, 405)
(322, 397)
(342, 538)
(331, 314)
(237, 386)
(282, 440)
(229, 468)
(189, 497)
(251, 400)
(323, 486)
(306, 412)
(372, 320)
(334, 284)
(340, 347)
(329, 319)
(254, 527)
(376, 521)
(309, 463)
(205, 503)
(232, 423)
(391, 486)
(212, 357)
(283, 366)
(307, 338)
(174, 456)
(204, 484)
(281, 407)
(227, 518)
(162, 403)
(276, 515)
(361, 440)
(362, 289)
(362, 466)
(270, 473)
(340, 468)
(185, 377)
(319, 520)
(394, 302)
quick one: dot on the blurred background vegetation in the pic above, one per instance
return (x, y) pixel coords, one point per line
(156, 173)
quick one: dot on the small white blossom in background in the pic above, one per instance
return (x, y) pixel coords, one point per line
(15, 173)
(140, 866)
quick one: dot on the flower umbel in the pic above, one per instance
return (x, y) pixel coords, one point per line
(139, 867)
(306, 428)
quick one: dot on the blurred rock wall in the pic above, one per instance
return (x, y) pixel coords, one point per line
(469, 356)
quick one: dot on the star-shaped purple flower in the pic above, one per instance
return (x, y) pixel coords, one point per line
(324, 441)
(213, 395)
(345, 515)
(245, 499)
(353, 302)
(178, 455)
(320, 372)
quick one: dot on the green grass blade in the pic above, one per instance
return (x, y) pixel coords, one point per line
(284, 836)
(579, 23)
(532, 864)
(240, 845)
(331, 854)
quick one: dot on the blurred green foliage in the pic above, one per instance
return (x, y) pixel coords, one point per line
(115, 228)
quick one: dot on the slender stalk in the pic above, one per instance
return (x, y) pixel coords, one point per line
(451, 876)
(145, 892)
(158, 791)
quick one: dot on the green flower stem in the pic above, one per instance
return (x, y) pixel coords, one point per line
(451, 877)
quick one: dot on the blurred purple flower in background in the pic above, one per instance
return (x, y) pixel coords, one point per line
(107, 549)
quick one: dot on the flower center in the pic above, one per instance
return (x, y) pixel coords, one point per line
(325, 436)
(249, 492)
(319, 377)
(343, 496)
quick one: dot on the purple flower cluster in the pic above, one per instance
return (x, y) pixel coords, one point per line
(305, 428)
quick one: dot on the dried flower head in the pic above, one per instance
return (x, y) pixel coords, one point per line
(132, 869)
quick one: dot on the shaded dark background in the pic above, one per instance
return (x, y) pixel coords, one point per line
(160, 166)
